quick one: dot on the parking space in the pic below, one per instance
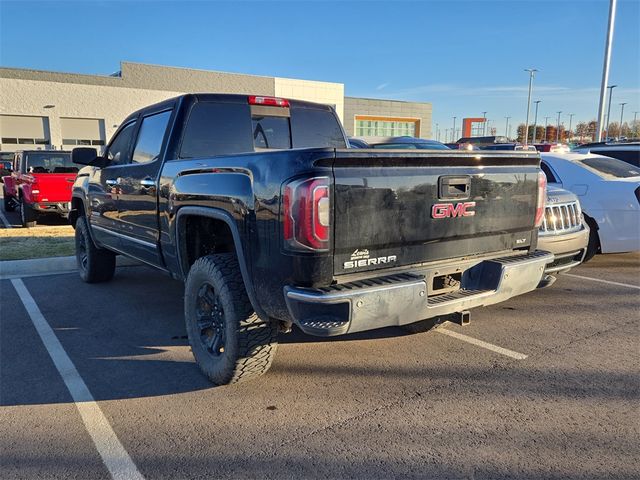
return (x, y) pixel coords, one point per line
(381, 404)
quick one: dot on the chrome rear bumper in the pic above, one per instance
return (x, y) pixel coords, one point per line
(406, 297)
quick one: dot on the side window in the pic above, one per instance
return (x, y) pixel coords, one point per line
(217, 129)
(150, 138)
(119, 150)
(547, 171)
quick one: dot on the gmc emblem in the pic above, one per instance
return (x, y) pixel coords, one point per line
(447, 210)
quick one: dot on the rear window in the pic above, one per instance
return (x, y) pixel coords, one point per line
(217, 129)
(228, 128)
(49, 162)
(271, 132)
(606, 166)
(312, 127)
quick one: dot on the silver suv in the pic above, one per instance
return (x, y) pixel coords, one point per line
(563, 232)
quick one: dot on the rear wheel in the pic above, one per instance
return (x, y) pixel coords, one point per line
(94, 264)
(593, 246)
(7, 201)
(228, 339)
(28, 216)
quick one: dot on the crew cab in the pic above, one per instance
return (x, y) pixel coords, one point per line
(40, 183)
(258, 206)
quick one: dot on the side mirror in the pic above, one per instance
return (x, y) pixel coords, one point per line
(87, 156)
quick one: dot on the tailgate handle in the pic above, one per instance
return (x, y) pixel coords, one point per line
(454, 188)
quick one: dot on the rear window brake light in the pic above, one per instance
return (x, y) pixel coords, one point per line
(268, 101)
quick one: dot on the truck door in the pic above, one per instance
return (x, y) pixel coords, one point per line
(103, 189)
(138, 195)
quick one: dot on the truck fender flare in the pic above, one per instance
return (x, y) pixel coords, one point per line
(224, 216)
(80, 195)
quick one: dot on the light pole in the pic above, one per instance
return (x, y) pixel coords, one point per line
(635, 125)
(453, 131)
(610, 87)
(605, 68)
(571, 115)
(484, 124)
(506, 127)
(532, 72)
(558, 128)
(535, 120)
(437, 133)
(621, 114)
(546, 124)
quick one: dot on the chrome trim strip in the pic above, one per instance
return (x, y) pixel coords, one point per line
(126, 237)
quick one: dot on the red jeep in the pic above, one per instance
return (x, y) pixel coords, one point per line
(40, 182)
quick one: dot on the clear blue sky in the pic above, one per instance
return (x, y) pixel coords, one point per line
(464, 57)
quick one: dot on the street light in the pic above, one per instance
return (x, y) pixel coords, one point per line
(610, 87)
(605, 66)
(484, 124)
(437, 133)
(621, 114)
(546, 124)
(558, 128)
(535, 120)
(571, 115)
(453, 132)
(532, 72)
(506, 127)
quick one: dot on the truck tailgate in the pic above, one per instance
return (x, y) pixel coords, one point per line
(54, 187)
(397, 208)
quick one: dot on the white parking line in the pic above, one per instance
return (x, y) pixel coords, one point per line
(602, 281)
(480, 343)
(113, 454)
(4, 220)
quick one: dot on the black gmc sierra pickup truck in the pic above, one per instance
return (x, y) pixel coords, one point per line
(258, 206)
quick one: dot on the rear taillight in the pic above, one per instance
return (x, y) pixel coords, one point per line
(542, 197)
(306, 214)
(268, 101)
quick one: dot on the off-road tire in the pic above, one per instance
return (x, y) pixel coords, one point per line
(28, 216)
(249, 342)
(424, 325)
(7, 202)
(94, 264)
(593, 246)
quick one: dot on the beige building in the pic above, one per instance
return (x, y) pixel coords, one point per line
(41, 109)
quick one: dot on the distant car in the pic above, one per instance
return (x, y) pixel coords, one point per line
(40, 184)
(482, 141)
(396, 143)
(609, 193)
(563, 232)
(508, 146)
(552, 147)
(357, 143)
(6, 164)
(627, 152)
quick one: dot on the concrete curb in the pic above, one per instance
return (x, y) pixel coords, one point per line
(47, 266)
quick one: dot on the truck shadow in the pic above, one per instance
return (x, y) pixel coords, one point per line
(127, 340)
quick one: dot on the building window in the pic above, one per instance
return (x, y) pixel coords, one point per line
(386, 127)
(25, 141)
(80, 141)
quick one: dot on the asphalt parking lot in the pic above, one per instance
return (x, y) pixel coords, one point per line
(560, 402)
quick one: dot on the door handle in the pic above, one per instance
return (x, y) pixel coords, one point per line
(147, 183)
(111, 182)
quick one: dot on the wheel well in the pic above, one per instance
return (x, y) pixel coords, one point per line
(77, 210)
(200, 236)
(593, 226)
